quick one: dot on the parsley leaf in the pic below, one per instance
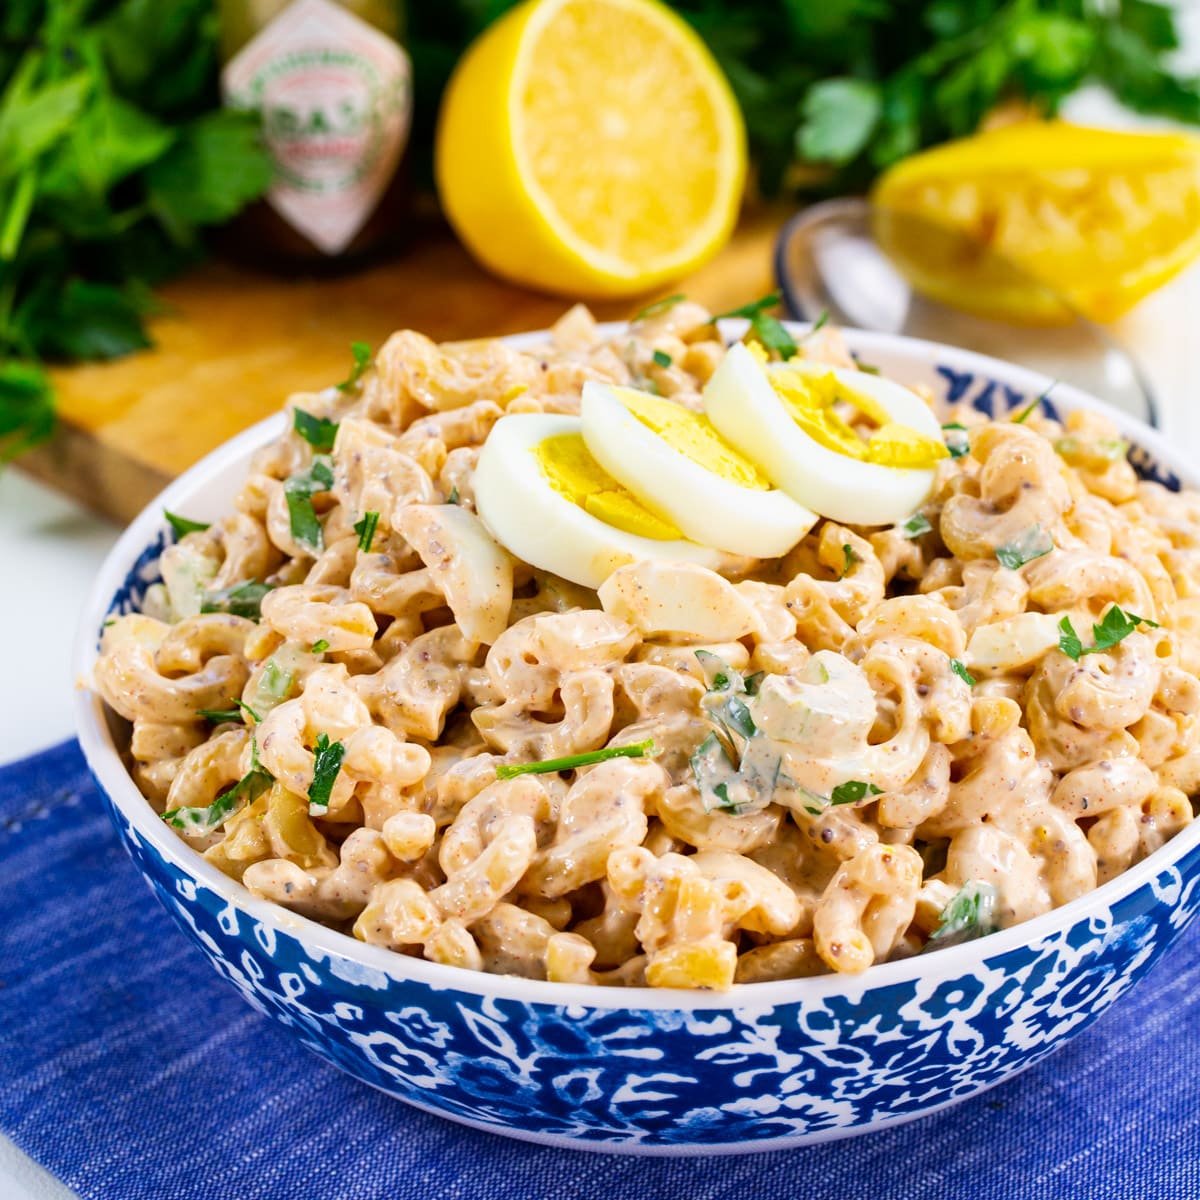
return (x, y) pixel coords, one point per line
(1113, 628)
(767, 329)
(960, 669)
(957, 439)
(183, 525)
(916, 526)
(850, 557)
(196, 822)
(238, 712)
(298, 491)
(453, 498)
(969, 915)
(239, 600)
(658, 307)
(361, 353)
(661, 358)
(571, 761)
(852, 791)
(1035, 542)
(327, 762)
(365, 527)
(318, 432)
(838, 118)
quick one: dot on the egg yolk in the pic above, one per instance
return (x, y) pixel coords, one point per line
(692, 434)
(810, 399)
(578, 477)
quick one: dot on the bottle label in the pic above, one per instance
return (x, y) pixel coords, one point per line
(336, 101)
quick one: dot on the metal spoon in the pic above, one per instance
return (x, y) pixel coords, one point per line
(826, 259)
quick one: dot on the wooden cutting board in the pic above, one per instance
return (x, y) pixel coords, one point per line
(232, 345)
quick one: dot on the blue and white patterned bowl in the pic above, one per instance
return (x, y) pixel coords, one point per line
(767, 1066)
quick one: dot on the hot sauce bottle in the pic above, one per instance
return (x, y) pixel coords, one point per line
(333, 84)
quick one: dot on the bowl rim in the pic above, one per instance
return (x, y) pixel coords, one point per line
(104, 760)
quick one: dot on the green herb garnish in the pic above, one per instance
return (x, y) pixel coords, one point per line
(852, 791)
(298, 490)
(1033, 405)
(220, 715)
(767, 329)
(1035, 542)
(916, 526)
(319, 646)
(318, 432)
(361, 353)
(327, 762)
(199, 821)
(850, 557)
(453, 498)
(239, 600)
(957, 439)
(550, 765)
(1115, 626)
(661, 358)
(970, 914)
(1108, 449)
(659, 306)
(365, 527)
(960, 669)
(183, 525)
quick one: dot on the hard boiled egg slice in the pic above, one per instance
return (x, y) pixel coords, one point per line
(682, 470)
(546, 500)
(785, 418)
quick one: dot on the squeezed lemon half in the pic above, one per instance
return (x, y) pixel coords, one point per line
(1100, 217)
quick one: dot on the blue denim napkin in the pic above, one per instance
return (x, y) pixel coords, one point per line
(132, 1072)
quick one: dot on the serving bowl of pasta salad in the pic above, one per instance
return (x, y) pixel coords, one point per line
(674, 736)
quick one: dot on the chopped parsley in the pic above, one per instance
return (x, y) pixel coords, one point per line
(767, 329)
(850, 557)
(1115, 626)
(203, 820)
(569, 762)
(453, 497)
(319, 646)
(220, 715)
(1033, 405)
(970, 914)
(365, 527)
(1033, 543)
(318, 432)
(957, 439)
(361, 353)
(661, 358)
(238, 600)
(960, 669)
(713, 772)
(327, 762)
(658, 307)
(916, 526)
(852, 791)
(298, 490)
(184, 525)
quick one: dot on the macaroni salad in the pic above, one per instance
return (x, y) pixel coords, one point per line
(697, 767)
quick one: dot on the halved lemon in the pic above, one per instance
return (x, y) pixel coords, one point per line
(590, 147)
(1100, 217)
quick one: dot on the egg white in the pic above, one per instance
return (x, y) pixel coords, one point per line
(746, 410)
(524, 513)
(705, 507)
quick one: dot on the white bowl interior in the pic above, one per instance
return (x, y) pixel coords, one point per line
(205, 493)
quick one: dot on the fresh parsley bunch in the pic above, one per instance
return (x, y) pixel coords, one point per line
(114, 154)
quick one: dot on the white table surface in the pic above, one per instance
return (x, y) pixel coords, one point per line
(52, 549)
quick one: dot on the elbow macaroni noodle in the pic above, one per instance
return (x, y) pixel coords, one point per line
(919, 664)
